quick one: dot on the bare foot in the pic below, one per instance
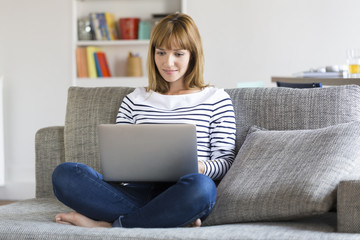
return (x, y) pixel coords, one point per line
(197, 223)
(77, 219)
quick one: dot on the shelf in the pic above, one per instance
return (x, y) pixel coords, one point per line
(117, 51)
(113, 43)
(112, 82)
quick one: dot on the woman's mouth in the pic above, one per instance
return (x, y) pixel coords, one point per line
(169, 71)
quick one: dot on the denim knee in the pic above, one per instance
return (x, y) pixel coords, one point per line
(202, 188)
(63, 171)
(201, 195)
(61, 176)
(64, 178)
(60, 171)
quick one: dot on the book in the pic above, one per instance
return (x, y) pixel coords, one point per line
(97, 65)
(90, 50)
(106, 66)
(104, 32)
(103, 64)
(111, 25)
(103, 26)
(81, 63)
(95, 26)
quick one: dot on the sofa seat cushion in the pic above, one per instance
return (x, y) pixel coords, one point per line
(281, 175)
(34, 219)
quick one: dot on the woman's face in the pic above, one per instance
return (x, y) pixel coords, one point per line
(173, 63)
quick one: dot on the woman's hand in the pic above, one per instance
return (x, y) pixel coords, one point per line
(201, 166)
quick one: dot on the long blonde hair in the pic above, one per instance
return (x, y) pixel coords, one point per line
(180, 30)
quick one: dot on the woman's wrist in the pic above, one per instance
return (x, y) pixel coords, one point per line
(201, 167)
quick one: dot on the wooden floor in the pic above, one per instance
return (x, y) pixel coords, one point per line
(2, 202)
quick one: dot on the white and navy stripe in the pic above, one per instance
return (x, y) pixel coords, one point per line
(210, 110)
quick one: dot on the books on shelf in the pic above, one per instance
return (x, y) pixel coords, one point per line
(103, 26)
(91, 62)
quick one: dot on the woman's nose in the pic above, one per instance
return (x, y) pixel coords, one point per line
(170, 60)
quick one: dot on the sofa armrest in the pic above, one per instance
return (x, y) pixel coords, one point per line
(49, 152)
(348, 206)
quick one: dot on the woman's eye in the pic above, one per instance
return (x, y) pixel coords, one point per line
(179, 54)
(160, 53)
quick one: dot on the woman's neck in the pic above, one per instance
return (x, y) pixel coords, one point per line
(178, 88)
(182, 91)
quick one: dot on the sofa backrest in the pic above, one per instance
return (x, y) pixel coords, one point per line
(86, 109)
(288, 108)
(270, 108)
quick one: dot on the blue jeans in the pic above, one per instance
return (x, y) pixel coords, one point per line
(147, 205)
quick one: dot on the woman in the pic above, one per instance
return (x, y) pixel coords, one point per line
(176, 94)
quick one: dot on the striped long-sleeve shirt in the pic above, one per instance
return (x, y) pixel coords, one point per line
(210, 110)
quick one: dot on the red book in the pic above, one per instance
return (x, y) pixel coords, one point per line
(104, 67)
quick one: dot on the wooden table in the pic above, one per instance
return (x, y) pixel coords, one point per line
(324, 81)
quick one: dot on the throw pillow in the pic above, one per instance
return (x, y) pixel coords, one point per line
(282, 175)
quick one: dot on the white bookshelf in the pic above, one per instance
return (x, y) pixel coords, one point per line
(117, 50)
(113, 81)
(127, 43)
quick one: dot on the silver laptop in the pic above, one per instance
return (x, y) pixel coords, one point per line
(147, 152)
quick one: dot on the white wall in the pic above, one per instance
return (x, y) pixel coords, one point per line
(35, 38)
(2, 156)
(252, 40)
(244, 40)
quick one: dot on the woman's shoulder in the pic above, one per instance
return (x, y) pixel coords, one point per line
(216, 93)
(138, 93)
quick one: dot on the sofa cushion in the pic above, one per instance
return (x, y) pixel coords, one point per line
(86, 109)
(34, 219)
(289, 108)
(281, 175)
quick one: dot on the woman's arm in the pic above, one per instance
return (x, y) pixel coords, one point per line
(201, 166)
(222, 140)
(124, 115)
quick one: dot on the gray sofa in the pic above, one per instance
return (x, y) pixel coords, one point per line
(247, 207)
